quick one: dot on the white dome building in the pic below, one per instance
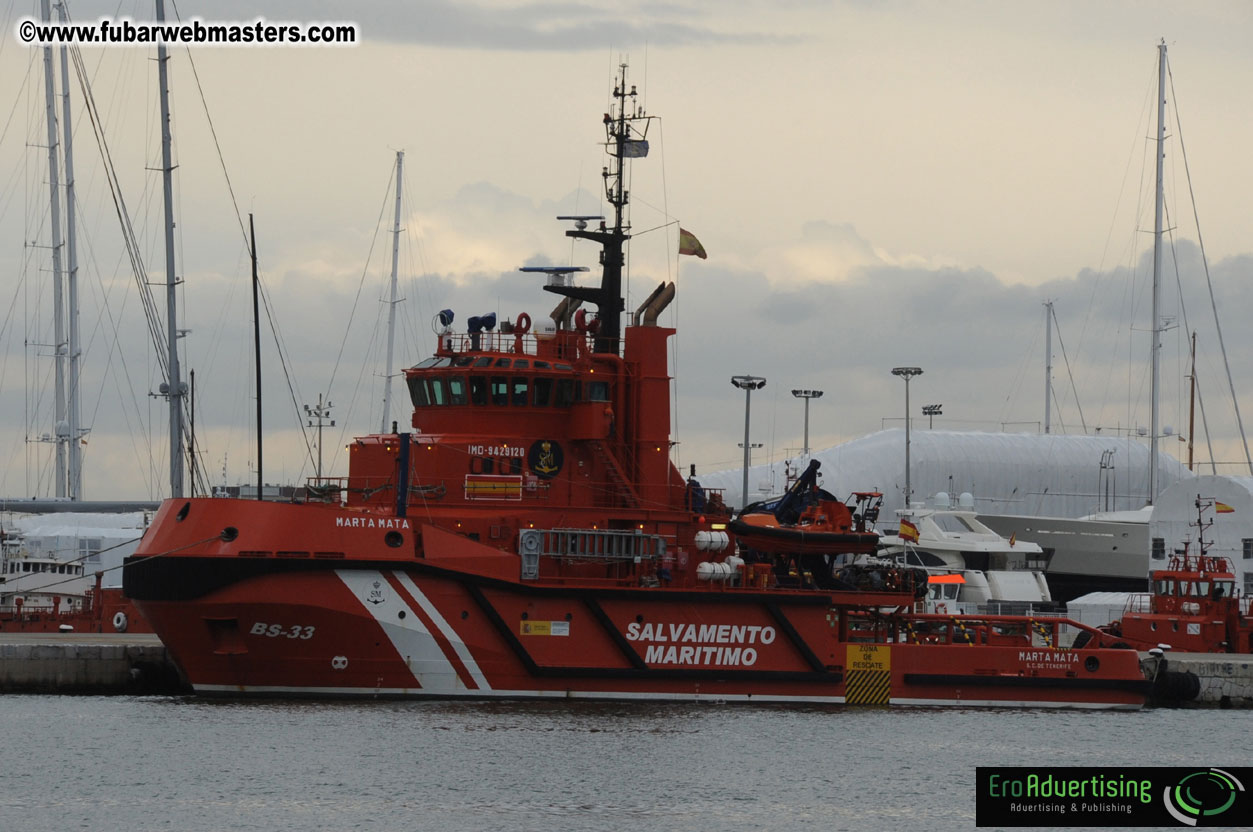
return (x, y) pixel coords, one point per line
(1053, 475)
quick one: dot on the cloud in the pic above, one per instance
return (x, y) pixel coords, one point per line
(979, 340)
(521, 27)
(840, 326)
(829, 252)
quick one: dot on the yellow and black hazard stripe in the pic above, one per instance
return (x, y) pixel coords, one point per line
(868, 687)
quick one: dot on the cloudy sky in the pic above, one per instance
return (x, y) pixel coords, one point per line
(877, 184)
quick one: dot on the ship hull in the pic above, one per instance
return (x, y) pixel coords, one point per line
(340, 629)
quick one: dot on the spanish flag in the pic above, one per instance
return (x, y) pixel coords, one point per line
(688, 244)
(908, 531)
(1222, 508)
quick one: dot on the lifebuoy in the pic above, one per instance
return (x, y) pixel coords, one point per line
(580, 320)
(523, 325)
(119, 621)
(941, 608)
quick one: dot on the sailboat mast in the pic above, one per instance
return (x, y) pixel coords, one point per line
(73, 407)
(58, 299)
(391, 303)
(1155, 349)
(1192, 402)
(173, 388)
(1048, 365)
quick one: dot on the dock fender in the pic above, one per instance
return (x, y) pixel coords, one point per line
(120, 623)
(1175, 686)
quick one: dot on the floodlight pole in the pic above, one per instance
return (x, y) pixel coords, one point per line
(748, 384)
(807, 395)
(907, 373)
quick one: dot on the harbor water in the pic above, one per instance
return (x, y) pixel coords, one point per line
(182, 763)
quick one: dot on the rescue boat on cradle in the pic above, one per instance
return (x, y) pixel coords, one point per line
(531, 538)
(807, 520)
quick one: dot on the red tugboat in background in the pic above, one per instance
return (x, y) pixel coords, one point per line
(531, 538)
(1194, 607)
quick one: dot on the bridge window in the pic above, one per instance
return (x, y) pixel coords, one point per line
(417, 391)
(543, 390)
(1248, 548)
(598, 391)
(457, 390)
(519, 391)
(567, 392)
(485, 361)
(1248, 584)
(504, 362)
(500, 391)
(1159, 548)
(478, 391)
(438, 391)
(521, 364)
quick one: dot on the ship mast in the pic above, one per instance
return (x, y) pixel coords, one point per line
(391, 305)
(1048, 365)
(1155, 348)
(73, 407)
(626, 128)
(173, 389)
(58, 312)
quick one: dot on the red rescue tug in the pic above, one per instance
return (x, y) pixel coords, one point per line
(530, 537)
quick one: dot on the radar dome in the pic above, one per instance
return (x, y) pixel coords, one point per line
(546, 329)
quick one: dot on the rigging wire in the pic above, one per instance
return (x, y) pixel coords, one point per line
(1069, 373)
(1208, 281)
(280, 344)
(1122, 190)
(1183, 309)
(356, 300)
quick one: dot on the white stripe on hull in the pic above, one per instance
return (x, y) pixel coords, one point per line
(644, 696)
(433, 673)
(448, 632)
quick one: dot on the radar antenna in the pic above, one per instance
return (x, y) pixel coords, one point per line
(626, 130)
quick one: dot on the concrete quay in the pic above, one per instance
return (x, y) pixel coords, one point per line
(1219, 680)
(85, 663)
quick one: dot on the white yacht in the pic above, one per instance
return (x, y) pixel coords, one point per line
(971, 569)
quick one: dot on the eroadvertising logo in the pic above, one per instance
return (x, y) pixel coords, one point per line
(1113, 796)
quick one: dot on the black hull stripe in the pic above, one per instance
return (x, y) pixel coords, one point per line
(1052, 682)
(186, 578)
